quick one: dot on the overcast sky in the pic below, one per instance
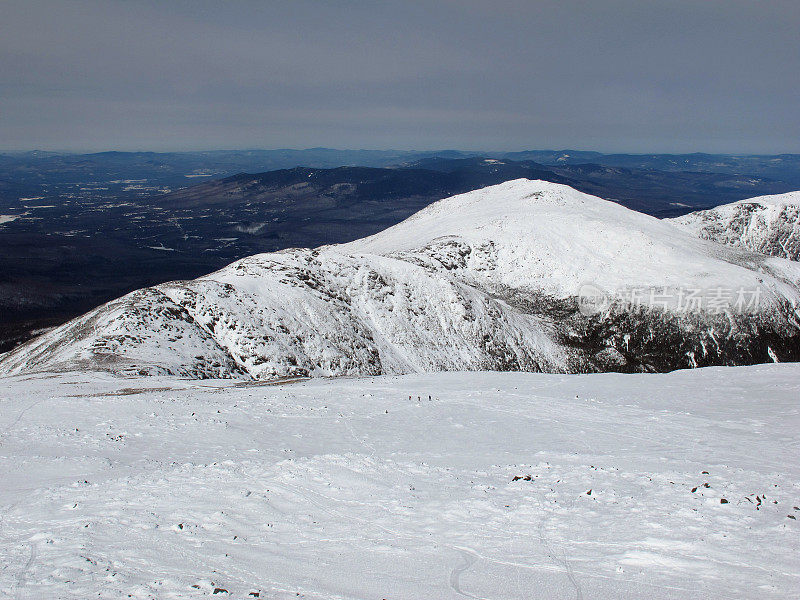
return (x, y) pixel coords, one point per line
(608, 75)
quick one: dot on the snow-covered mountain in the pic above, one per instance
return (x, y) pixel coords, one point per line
(525, 275)
(766, 224)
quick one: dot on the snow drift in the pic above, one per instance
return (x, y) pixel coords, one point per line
(493, 280)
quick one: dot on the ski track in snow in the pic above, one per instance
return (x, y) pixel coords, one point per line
(345, 489)
(469, 557)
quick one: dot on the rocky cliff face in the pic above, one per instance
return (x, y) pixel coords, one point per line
(767, 224)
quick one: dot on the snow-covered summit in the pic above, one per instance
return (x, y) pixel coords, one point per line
(518, 212)
(552, 236)
(496, 212)
(766, 224)
(493, 280)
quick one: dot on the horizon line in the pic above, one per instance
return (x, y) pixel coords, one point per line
(472, 153)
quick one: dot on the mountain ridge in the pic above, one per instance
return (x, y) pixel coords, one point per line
(766, 224)
(487, 280)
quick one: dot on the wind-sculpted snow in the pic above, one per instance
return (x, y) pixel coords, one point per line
(489, 280)
(767, 224)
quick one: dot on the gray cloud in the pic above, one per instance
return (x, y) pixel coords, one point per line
(605, 74)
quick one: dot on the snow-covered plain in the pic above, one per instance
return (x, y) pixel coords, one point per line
(429, 486)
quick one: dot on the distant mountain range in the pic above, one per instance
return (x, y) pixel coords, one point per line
(180, 168)
(783, 167)
(524, 275)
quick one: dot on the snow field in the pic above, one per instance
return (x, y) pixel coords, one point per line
(502, 485)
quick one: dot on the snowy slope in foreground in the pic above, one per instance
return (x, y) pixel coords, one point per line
(766, 224)
(354, 488)
(481, 281)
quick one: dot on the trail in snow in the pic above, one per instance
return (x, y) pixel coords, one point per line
(468, 557)
(20, 584)
(17, 419)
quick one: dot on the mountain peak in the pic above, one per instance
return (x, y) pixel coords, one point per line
(552, 236)
(509, 209)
